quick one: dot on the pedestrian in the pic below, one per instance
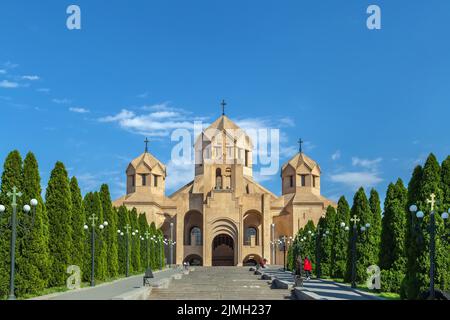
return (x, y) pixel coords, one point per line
(307, 267)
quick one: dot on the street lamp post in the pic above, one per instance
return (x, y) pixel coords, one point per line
(171, 244)
(127, 246)
(93, 218)
(14, 223)
(147, 237)
(161, 251)
(273, 244)
(432, 229)
(284, 253)
(355, 220)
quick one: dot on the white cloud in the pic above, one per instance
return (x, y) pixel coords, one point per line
(336, 155)
(357, 179)
(62, 101)
(8, 84)
(79, 110)
(159, 123)
(179, 174)
(2, 71)
(31, 78)
(366, 163)
(10, 65)
(287, 122)
(122, 115)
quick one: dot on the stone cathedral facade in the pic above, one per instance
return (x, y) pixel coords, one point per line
(224, 217)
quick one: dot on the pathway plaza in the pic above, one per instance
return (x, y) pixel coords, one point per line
(216, 283)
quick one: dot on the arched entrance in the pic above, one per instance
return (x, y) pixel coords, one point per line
(194, 260)
(251, 260)
(223, 251)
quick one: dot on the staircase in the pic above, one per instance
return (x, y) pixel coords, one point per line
(220, 283)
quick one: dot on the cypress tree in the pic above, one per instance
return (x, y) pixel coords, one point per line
(59, 208)
(110, 233)
(153, 247)
(78, 221)
(431, 183)
(364, 243)
(33, 261)
(340, 240)
(161, 253)
(375, 226)
(413, 245)
(324, 238)
(122, 222)
(145, 243)
(136, 242)
(93, 205)
(445, 182)
(11, 176)
(392, 254)
(308, 243)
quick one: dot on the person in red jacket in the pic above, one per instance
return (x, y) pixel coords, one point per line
(307, 267)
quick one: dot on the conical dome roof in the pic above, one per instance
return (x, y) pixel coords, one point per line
(149, 160)
(299, 159)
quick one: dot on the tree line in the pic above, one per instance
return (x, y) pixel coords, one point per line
(58, 237)
(396, 240)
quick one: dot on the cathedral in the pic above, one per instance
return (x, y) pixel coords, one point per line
(223, 217)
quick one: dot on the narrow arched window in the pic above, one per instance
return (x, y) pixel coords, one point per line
(249, 233)
(196, 236)
(219, 178)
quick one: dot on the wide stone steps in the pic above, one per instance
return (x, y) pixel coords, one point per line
(220, 283)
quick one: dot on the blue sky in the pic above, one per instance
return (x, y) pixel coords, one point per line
(369, 104)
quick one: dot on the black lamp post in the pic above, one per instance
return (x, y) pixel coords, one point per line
(14, 223)
(355, 220)
(432, 230)
(127, 236)
(146, 238)
(319, 238)
(161, 251)
(93, 218)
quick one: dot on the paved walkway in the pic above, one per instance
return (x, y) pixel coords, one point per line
(318, 289)
(220, 283)
(108, 291)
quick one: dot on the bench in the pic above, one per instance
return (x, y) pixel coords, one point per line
(147, 276)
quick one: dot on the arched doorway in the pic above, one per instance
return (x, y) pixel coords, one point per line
(251, 260)
(223, 251)
(194, 260)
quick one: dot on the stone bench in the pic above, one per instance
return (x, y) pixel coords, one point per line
(302, 294)
(265, 276)
(281, 284)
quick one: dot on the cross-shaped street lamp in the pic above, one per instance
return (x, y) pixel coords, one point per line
(93, 218)
(355, 221)
(127, 236)
(147, 246)
(432, 201)
(14, 223)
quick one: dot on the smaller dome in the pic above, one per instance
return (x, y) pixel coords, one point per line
(147, 159)
(299, 159)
